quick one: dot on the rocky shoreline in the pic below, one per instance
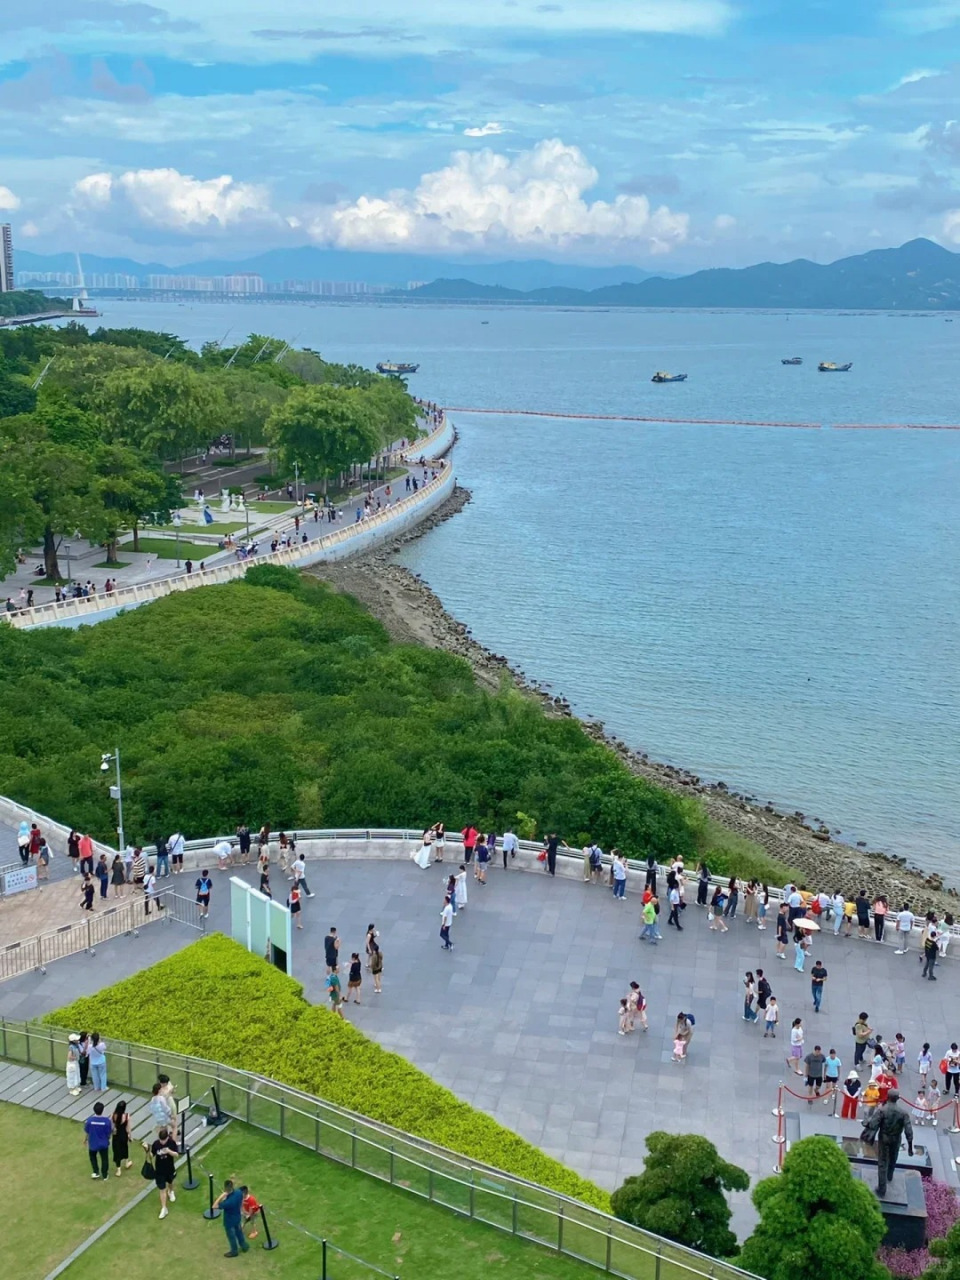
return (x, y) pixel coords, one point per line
(413, 614)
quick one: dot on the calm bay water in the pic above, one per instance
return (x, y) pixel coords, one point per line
(775, 607)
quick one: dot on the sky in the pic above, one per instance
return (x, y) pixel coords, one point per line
(670, 134)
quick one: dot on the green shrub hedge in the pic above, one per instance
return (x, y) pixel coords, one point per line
(217, 1001)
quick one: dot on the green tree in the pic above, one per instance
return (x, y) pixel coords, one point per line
(680, 1193)
(166, 409)
(947, 1254)
(130, 487)
(325, 429)
(49, 494)
(166, 345)
(249, 399)
(79, 372)
(16, 394)
(816, 1219)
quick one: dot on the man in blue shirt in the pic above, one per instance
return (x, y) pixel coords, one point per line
(230, 1200)
(97, 1130)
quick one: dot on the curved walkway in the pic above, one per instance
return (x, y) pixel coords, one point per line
(341, 543)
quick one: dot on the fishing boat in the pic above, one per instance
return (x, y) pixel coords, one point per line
(793, 360)
(828, 366)
(668, 377)
(396, 370)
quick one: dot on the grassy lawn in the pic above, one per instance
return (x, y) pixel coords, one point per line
(55, 1204)
(383, 1225)
(271, 508)
(226, 526)
(166, 548)
(112, 564)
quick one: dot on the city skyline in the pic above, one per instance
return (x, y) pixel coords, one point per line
(670, 136)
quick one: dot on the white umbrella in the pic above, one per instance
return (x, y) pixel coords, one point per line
(810, 925)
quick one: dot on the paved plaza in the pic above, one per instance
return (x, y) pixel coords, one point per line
(520, 1018)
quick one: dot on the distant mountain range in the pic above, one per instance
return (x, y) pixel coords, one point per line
(920, 275)
(308, 263)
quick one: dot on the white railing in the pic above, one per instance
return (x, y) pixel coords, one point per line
(396, 843)
(329, 546)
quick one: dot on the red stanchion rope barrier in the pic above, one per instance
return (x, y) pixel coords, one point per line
(780, 1137)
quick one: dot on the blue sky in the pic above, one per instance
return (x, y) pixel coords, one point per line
(666, 133)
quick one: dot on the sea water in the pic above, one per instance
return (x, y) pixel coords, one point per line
(777, 607)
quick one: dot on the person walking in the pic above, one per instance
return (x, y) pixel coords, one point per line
(682, 1035)
(850, 1094)
(795, 1056)
(624, 1026)
(715, 914)
(204, 886)
(355, 977)
(370, 941)
(335, 993)
(551, 845)
(904, 929)
(674, 916)
(97, 1130)
(458, 899)
(85, 849)
(649, 931)
(879, 916)
(230, 1204)
(951, 1073)
(97, 1055)
(931, 950)
(446, 920)
(73, 1063)
(376, 967)
(783, 926)
(331, 949)
(509, 845)
(120, 1137)
(294, 905)
(164, 1152)
(117, 877)
(87, 891)
(815, 1063)
(764, 992)
(703, 883)
(733, 899)
(862, 1031)
(637, 1005)
(620, 887)
(801, 945)
(749, 997)
(483, 857)
(818, 976)
(771, 1016)
(299, 877)
(73, 850)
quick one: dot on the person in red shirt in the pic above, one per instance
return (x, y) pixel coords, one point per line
(885, 1081)
(470, 837)
(249, 1210)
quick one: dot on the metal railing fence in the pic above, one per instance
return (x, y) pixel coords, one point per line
(433, 1173)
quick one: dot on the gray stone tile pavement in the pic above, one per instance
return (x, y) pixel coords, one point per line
(520, 1018)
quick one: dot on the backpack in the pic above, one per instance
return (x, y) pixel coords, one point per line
(596, 856)
(691, 1019)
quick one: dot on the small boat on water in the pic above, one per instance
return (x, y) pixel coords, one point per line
(396, 370)
(793, 360)
(660, 376)
(828, 366)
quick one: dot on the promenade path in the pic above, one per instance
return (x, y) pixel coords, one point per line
(520, 1019)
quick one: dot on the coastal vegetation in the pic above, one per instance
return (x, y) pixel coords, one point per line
(92, 426)
(263, 1024)
(30, 302)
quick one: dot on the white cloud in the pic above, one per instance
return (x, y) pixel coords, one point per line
(8, 200)
(724, 222)
(486, 199)
(170, 200)
(29, 229)
(485, 130)
(950, 226)
(912, 77)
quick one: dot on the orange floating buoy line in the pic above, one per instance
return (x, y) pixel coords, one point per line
(712, 422)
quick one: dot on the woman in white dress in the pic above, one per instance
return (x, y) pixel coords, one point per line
(461, 890)
(73, 1063)
(424, 855)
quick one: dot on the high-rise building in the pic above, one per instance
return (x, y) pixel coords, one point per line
(6, 259)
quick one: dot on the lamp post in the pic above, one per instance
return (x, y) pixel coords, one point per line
(116, 791)
(177, 521)
(296, 482)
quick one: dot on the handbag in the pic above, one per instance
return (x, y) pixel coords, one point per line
(943, 1066)
(542, 855)
(710, 915)
(148, 1171)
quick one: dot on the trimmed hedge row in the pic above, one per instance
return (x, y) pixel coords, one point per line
(217, 1001)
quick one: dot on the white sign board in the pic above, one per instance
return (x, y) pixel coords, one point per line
(19, 880)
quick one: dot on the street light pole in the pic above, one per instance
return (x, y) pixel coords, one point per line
(296, 482)
(116, 791)
(177, 521)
